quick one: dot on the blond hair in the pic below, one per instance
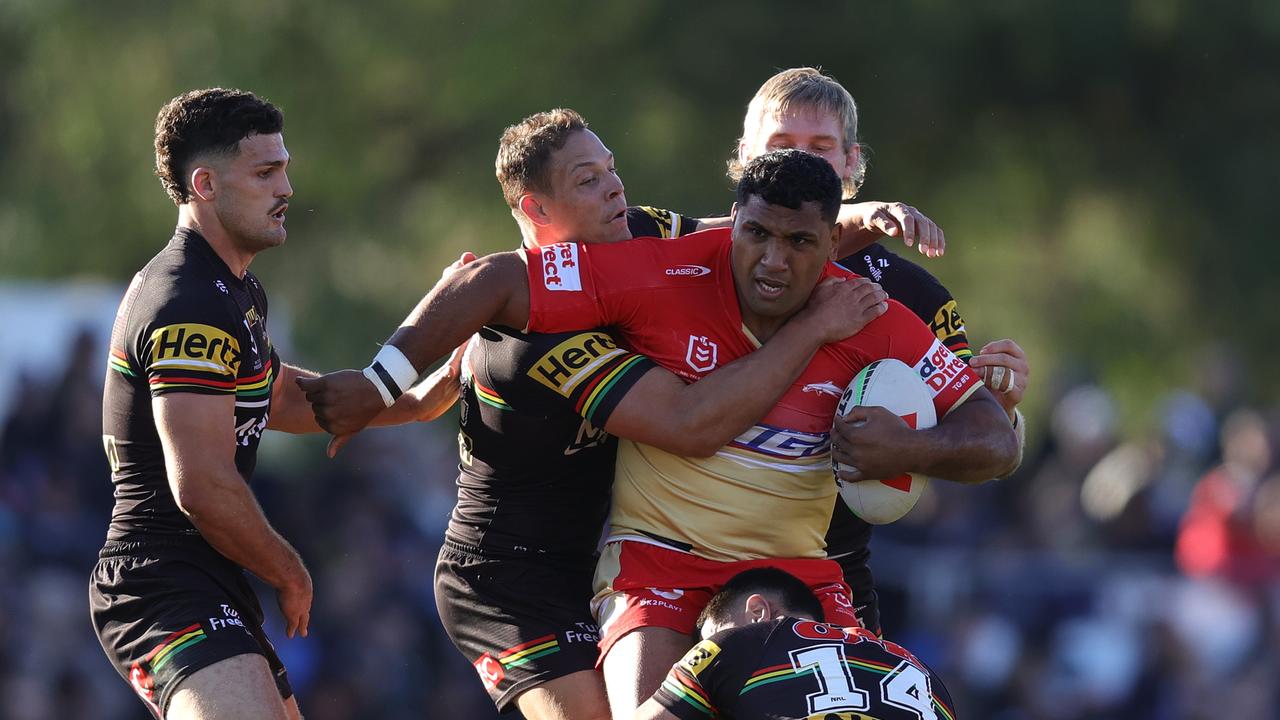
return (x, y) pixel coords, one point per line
(808, 88)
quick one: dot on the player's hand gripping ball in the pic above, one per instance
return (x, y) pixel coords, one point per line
(893, 385)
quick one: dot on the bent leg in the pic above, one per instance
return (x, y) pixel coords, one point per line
(635, 665)
(576, 696)
(232, 689)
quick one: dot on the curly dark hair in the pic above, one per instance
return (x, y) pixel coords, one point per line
(525, 150)
(781, 587)
(207, 122)
(791, 177)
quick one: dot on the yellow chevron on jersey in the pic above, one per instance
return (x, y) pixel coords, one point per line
(668, 222)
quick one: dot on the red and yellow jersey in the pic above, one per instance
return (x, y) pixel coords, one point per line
(770, 492)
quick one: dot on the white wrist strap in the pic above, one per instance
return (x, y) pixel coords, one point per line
(391, 373)
(1019, 427)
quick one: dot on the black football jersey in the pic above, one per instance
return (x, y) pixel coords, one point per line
(792, 669)
(186, 324)
(536, 465)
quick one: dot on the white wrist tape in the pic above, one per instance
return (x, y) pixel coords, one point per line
(391, 373)
(1019, 427)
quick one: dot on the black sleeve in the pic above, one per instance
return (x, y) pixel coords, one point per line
(586, 371)
(646, 221)
(190, 343)
(918, 290)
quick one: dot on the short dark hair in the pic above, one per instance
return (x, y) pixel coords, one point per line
(203, 122)
(794, 596)
(525, 150)
(790, 178)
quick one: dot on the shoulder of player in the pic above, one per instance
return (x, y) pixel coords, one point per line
(504, 354)
(648, 221)
(173, 291)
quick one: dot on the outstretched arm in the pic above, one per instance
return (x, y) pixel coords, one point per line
(491, 290)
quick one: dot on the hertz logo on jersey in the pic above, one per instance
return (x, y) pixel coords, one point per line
(947, 322)
(699, 656)
(192, 346)
(573, 360)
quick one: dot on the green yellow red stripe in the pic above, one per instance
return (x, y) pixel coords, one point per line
(259, 384)
(689, 690)
(489, 396)
(525, 652)
(173, 644)
(592, 397)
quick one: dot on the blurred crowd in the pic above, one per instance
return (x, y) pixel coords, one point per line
(1116, 575)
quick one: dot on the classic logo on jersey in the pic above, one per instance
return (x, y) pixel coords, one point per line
(191, 346)
(947, 322)
(560, 267)
(939, 367)
(573, 360)
(697, 659)
(702, 353)
(688, 271)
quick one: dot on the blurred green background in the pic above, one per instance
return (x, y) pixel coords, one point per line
(1103, 170)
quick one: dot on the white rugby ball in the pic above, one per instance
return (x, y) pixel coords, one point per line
(895, 386)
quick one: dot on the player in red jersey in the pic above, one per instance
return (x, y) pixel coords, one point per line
(806, 109)
(766, 654)
(692, 306)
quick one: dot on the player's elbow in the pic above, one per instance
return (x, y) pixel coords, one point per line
(197, 495)
(1006, 452)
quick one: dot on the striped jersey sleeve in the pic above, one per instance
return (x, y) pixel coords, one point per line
(682, 692)
(646, 221)
(193, 347)
(587, 369)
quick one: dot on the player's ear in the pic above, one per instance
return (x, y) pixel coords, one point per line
(851, 159)
(531, 207)
(733, 211)
(202, 183)
(758, 609)
(837, 231)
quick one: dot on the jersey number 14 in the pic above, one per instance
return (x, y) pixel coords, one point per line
(906, 686)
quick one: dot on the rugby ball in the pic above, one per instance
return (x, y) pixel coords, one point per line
(893, 385)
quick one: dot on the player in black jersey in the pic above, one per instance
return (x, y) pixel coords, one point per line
(537, 440)
(806, 109)
(766, 655)
(192, 381)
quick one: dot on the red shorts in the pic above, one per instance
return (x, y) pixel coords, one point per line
(639, 584)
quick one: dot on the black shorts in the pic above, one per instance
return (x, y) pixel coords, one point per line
(857, 575)
(164, 609)
(521, 621)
